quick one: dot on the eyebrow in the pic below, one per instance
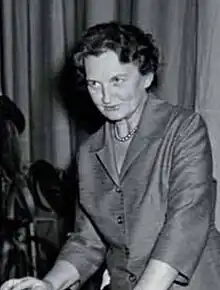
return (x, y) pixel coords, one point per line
(111, 78)
(119, 75)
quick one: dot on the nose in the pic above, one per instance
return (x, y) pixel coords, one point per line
(106, 98)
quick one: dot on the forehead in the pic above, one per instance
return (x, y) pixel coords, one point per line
(107, 65)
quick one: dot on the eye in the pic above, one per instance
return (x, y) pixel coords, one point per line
(93, 84)
(118, 80)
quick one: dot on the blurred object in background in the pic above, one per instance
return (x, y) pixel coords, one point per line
(16, 203)
(36, 203)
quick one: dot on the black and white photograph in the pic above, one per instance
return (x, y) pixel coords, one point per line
(109, 145)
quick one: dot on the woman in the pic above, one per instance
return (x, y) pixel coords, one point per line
(146, 201)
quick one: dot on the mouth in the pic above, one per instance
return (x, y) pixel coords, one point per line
(111, 108)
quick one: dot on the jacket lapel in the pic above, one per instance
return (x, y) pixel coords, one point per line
(152, 126)
(105, 153)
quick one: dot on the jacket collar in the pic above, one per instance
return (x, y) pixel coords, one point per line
(152, 125)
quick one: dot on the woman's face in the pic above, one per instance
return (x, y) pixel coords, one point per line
(117, 89)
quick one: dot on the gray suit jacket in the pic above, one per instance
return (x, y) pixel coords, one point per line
(160, 205)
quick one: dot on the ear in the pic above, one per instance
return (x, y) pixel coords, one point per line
(148, 80)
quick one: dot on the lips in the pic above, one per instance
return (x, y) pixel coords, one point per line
(111, 108)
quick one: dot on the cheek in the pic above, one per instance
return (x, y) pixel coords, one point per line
(126, 96)
(95, 96)
(132, 98)
(124, 93)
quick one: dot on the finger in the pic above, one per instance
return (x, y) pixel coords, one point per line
(39, 287)
(29, 283)
(9, 284)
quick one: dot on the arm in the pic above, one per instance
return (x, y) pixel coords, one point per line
(157, 276)
(62, 276)
(189, 207)
(84, 252)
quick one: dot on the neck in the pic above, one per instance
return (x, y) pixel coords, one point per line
(125, 126)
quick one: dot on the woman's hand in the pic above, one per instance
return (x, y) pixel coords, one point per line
(26, 283)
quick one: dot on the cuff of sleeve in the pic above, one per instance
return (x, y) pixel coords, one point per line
(86, 257)
(183, 276)
(84, 268)
(182, 251)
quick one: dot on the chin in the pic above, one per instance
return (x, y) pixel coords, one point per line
(114, 117)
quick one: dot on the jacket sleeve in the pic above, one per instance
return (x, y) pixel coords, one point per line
(84, 249)
(190, 200)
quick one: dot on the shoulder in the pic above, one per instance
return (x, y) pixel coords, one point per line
(188, 122)
(189, 134)
(174, 117)
(183, 120)
(91, 143)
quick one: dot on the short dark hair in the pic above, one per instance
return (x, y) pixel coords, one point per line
(129, 42)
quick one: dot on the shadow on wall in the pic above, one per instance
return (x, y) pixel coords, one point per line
(75, 98)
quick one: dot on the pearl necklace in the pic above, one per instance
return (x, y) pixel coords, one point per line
(127, 137)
